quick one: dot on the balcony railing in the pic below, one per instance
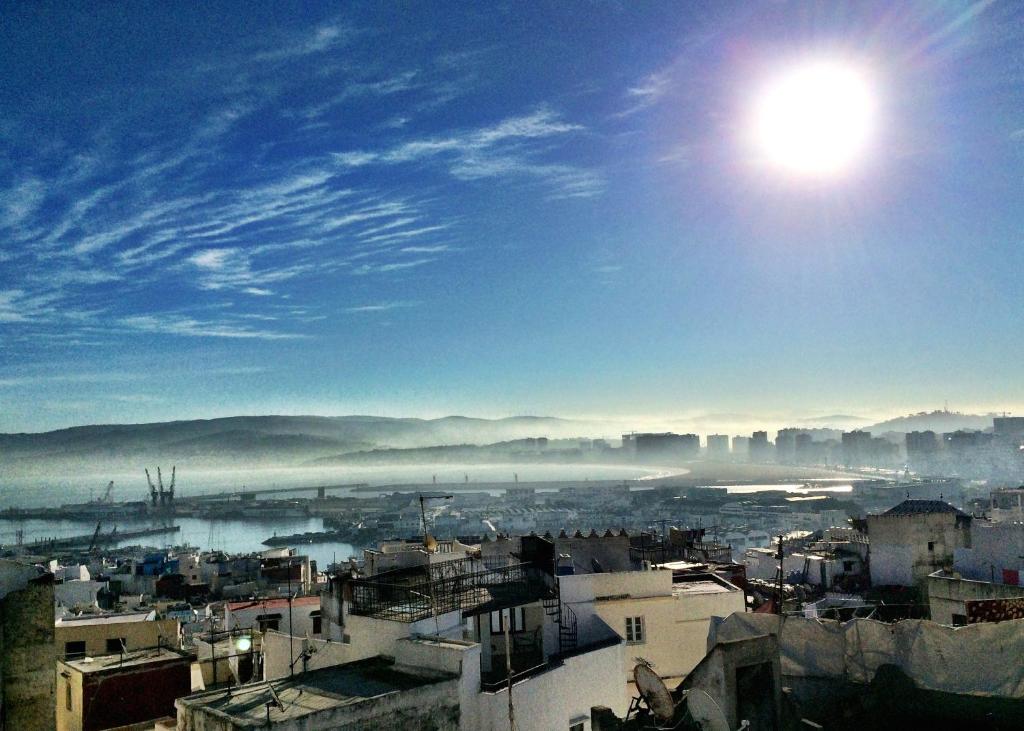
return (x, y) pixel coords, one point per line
(409, 595)
(496, 681)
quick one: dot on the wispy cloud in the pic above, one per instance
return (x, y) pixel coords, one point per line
(646, 94)
(390, 267)
(499, 150)
(190, 327)
(381, 307)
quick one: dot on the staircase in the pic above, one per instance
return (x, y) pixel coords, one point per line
(565, 618)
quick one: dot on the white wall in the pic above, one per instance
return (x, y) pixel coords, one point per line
(278, 646)
(301, 617)
(550, 700)
(675, 625)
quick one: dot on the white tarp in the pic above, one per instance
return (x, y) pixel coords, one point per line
(979, 659)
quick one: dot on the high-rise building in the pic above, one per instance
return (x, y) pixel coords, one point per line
(760, 448)
(718, 446)
(667, 446)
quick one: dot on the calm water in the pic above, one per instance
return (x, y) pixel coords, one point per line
(242, 536)
(58, 490)
(234, 536)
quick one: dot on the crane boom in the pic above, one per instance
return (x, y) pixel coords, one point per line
(95, 535)
(152, 487)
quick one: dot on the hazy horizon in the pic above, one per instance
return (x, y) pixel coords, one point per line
(733, 424)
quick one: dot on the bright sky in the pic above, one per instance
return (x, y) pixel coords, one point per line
(430, 208)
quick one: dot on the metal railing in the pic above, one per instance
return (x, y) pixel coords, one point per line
(409, 595)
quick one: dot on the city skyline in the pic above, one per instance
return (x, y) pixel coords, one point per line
(401, 211)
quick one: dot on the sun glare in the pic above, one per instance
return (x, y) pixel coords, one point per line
(814, 120)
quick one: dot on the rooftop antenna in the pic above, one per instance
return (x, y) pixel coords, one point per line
(430, 545)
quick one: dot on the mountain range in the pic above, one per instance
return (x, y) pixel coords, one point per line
(261, 439)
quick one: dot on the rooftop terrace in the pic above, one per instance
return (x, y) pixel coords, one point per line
(309, 693)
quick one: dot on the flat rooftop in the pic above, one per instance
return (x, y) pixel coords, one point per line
(135, 658)
(701, 587)
(106, 619)
(309, 693)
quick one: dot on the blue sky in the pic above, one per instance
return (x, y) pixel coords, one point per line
(495, 209)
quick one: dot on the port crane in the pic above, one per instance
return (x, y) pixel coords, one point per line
(152, 487)
(165, 497)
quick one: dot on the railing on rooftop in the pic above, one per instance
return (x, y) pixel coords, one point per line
(496, 680)
(412, 594)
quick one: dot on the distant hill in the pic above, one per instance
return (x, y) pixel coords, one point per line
(259, 439)
(835, 420)
(939, 422)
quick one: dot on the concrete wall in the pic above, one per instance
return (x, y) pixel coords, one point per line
(27, 652)
(899, 546)
(947, 595)
(137, 635)
(675, 625)
(550, 700)
(319, 654)
(75, 593)
(994, 547)
(433, 707)
(301, 617)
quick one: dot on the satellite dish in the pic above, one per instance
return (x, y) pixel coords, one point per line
(703, 709)
(431, 543)
(653, 691)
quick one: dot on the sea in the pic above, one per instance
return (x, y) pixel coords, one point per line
(238, 536)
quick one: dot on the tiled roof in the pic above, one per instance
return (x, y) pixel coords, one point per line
(921, 507)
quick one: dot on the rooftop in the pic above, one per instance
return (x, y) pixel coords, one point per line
(310, 693)
(135, 658)
(700, 587)
(84, 619)
(299, 601)
(922, 507)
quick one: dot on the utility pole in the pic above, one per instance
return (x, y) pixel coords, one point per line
(291, 629)
(508, 668)
(778, 555)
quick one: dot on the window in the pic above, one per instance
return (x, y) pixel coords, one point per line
(959, 620)
(931, 545)
(73, 650)
(116, 645)
(517, 616)
(268, 621)
(67, 694)
(635, 629)
(318, 622)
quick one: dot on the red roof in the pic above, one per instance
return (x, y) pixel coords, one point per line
(299, 601)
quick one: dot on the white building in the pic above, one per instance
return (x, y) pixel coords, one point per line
(662, 619)
(561, 664)
(300, 616)
(995, 553)
(914, 539)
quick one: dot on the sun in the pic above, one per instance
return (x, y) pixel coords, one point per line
(815, 120)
